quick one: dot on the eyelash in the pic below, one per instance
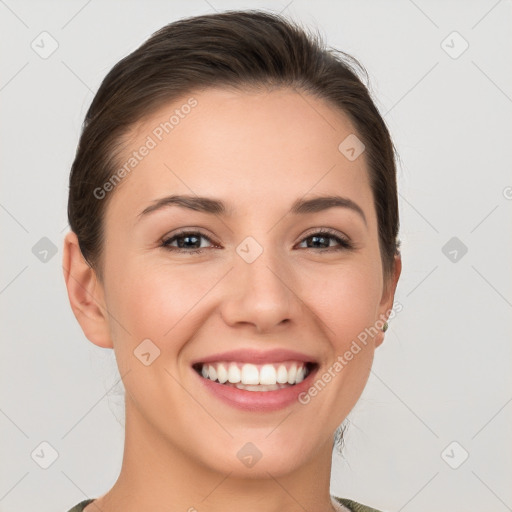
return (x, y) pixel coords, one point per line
(344, 243)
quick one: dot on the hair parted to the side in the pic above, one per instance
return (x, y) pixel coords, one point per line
(235, 49)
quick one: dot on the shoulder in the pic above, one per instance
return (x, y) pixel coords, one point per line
(353, 506)
(80, 506)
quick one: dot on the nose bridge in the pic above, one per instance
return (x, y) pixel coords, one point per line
(260, 291)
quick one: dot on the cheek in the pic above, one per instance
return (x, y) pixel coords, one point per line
(161, 304)
(157, 301)
(346, 301)
(346, 305)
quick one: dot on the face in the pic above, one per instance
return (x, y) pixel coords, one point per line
(254, 282)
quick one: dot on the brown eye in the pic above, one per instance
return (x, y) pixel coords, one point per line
(186, 241)
(322, 240)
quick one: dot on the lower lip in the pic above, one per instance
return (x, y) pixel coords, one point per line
(257, 401)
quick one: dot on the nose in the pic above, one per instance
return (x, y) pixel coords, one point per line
(260, 294)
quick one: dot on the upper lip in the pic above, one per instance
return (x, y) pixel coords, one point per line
(275, 355)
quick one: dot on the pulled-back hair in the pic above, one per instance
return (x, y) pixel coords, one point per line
(233, 49)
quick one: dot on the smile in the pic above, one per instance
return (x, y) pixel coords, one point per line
(255, 377)
(256, 381)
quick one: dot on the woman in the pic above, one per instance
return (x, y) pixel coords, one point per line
(234, 219)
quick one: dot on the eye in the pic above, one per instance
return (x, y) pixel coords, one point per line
(323, 239)
(190, 242)
(187, 242)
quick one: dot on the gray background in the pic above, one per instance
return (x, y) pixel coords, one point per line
(443, 374)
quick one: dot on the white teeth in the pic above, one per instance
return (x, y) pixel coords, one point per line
(250, 374)
(266, 376)
(233, 373)
(222, 373)
(282, 375)
(273, 387)
(292, 374)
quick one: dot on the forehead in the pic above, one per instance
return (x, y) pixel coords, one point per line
(248, 148)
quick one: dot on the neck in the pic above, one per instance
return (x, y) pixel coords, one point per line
(157, 475)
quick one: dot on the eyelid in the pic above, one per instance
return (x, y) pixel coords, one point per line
(311, 232)
(344, 242)
(187, 231)
(329, 231)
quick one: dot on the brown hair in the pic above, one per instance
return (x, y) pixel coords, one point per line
(238, 49)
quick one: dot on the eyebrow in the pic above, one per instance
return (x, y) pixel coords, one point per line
(217, 207)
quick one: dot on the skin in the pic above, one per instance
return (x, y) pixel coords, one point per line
(258, 152)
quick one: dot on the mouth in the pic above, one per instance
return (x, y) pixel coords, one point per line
(256, 381)
(256, 377)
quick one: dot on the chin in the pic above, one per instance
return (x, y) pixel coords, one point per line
(257, 459)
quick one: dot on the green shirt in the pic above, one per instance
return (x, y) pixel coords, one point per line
(351, 505)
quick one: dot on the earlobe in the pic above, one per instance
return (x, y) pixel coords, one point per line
(388, 297)
(85, 294)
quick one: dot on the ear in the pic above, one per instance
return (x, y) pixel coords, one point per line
(85, 294)
(388, 296)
